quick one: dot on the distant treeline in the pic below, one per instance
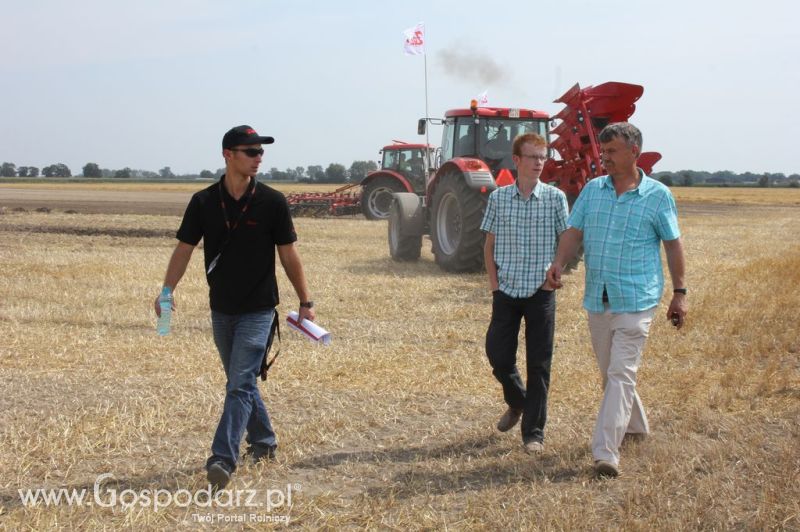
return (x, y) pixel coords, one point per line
(338, 173)
(333, 173)
(687, 178)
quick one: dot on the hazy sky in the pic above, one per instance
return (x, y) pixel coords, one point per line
(149, 84)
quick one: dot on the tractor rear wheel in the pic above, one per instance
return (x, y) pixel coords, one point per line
(405, 231)
(455, 224)
(376, 198)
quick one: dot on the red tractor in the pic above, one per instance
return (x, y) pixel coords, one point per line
(403, 169)
(475, 158)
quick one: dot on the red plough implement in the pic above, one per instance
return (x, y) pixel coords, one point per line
(586, 112)
(340, 202)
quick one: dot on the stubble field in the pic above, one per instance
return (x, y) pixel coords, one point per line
(392, 425)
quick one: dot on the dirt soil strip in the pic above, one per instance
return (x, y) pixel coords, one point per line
(96, 201)
(90, 231)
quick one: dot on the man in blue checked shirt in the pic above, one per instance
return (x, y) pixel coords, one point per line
(622, 219)
(522, 223)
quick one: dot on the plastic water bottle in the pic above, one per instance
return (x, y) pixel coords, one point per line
(165, 302)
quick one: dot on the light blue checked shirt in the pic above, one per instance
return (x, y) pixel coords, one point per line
(621, 238)
(526, 235)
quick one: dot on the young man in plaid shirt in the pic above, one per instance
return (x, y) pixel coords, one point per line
(522, 223)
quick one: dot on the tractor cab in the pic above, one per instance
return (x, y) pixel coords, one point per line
(475, 158)
(403, 169)
(409, 161)
(487, 133)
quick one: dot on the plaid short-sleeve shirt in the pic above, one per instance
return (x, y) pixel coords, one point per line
(526, 235)
(621, 238)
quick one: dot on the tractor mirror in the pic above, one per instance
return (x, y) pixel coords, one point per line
(421, 126)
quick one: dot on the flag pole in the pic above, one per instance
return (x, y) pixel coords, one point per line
(427, 141)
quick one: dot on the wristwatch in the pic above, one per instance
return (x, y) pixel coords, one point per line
(307, 304)
(679, 291)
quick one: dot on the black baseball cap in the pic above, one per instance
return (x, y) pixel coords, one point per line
(243, 135)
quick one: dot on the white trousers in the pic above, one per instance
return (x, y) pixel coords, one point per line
(618, 341)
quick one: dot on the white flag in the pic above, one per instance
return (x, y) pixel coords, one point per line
(483, 99)
(414, 40)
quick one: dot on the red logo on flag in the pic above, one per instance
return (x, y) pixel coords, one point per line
(416, 40)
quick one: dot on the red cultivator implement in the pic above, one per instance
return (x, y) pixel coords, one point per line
(343, 200)
(402, 170)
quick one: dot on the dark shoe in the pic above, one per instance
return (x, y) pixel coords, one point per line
(509, 420)
(218, 475)
(533, 447)
(259, 453)
(605, 469)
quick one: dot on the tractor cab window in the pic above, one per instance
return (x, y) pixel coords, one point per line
(495, 137)
(411, 165)
(465, 139)
(447, 139)
(390, 159)
(402, 161)
(409, 162)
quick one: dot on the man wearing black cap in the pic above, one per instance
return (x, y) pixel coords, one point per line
(241, 222)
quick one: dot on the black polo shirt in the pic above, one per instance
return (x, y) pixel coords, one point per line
(243, 279)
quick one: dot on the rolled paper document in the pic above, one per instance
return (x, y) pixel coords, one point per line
(309, 329)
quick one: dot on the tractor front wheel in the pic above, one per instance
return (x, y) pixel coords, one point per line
(455, 224)
(405, 227)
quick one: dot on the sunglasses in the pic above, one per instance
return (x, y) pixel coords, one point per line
(250, 152)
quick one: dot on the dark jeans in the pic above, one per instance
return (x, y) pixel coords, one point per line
(241, 340)
(539, 312)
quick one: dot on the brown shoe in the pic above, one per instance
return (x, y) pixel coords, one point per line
(509, 420)
(534, 447)
(605, 469)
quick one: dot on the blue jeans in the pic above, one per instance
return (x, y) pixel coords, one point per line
(241, 339)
